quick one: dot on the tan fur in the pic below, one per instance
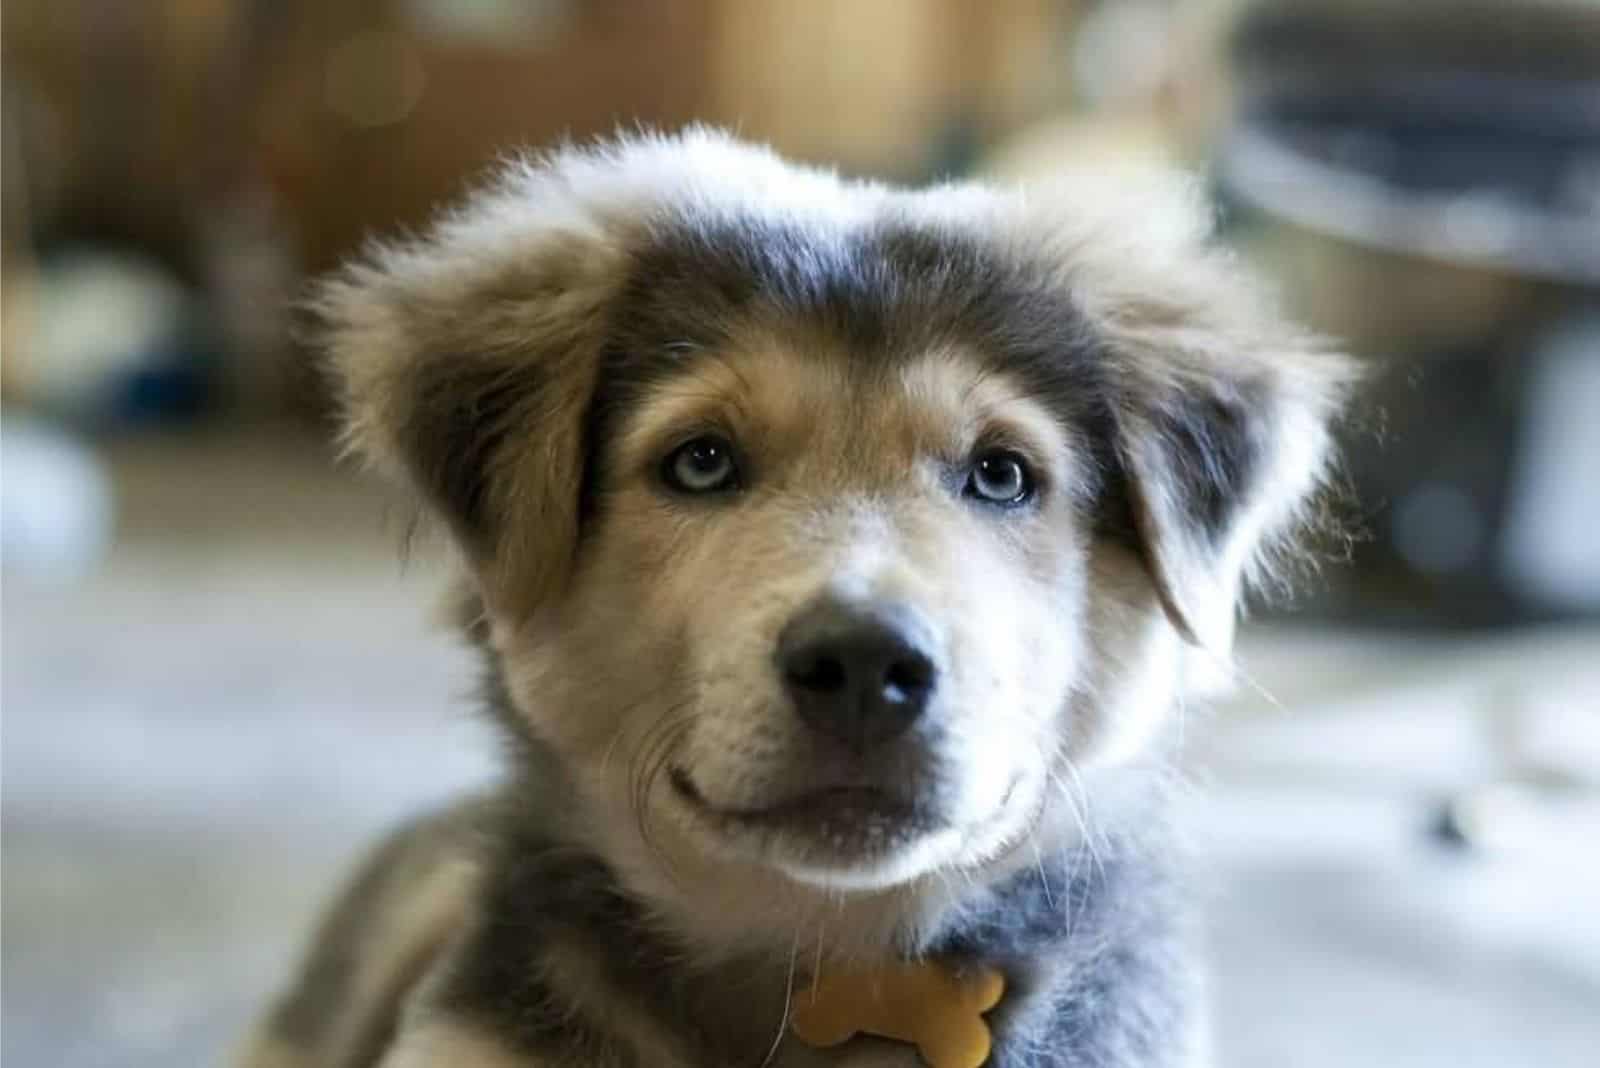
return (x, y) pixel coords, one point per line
(268, 1050)
(376, 945)
(441, 1043)
(636, 647)
(407, 943)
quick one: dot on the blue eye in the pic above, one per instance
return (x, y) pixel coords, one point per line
(704, 465)
(1000, 477)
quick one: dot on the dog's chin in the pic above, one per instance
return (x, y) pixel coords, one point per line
(833, 870)
(851, 839)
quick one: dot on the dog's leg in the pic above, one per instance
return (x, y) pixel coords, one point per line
(442, 1042)
(375, 945)
(269, 1050)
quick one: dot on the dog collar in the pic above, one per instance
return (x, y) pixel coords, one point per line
(927, 1004)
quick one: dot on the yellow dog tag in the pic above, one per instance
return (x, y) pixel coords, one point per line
(928, 1005)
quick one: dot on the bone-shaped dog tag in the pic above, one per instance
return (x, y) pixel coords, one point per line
(928, 1005)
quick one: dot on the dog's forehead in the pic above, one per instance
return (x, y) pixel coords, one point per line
(789, 401)
(874, 309)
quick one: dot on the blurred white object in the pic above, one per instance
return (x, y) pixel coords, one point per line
(57, 511)
(1122, 52)
(94, 316)
(1552, 547)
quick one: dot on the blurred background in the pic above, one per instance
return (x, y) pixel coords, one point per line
(219, 680)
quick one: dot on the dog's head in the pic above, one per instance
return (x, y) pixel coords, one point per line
(822, 528)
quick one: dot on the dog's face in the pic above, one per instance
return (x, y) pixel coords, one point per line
(832, 602)
(823, 530)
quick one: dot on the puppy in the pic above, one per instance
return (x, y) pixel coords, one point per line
(841, 557)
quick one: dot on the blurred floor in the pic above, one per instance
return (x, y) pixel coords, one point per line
(197, 740)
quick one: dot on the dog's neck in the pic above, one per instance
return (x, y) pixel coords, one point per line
(714, 911)
(723, 961)
(719, 950)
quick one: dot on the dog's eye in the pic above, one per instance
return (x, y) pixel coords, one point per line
(1000, 477)
(704, 465)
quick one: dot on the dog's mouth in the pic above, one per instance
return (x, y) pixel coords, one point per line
(849, 836)
(839, 812)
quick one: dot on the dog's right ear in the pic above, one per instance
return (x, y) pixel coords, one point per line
(466, 360)
(464, 363)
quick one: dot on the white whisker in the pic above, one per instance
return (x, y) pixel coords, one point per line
(788, 997)
(1044, 880)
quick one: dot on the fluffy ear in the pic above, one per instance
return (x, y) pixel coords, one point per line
(465, 361)
(1220, 408)
(1217, 461)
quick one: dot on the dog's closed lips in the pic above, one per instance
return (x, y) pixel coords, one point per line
(840, 806)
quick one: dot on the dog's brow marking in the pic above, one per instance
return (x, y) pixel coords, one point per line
(979, 378)
(733, 398)
(735, 370)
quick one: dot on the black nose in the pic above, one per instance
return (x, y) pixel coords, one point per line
(861, 674)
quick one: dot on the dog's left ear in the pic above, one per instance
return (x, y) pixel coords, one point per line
(1219, 407)
(1217, 463)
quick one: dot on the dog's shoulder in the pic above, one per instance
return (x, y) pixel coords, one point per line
(378, 941)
